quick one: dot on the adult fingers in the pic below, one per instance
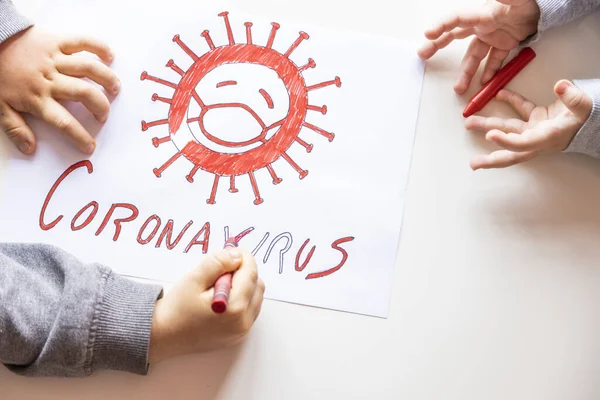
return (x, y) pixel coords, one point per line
(486, 124)
(430, 48)
(73, 89)
(476, 52)
(214, 265)
(16, 129)
(529, 140)
(84, 67)
(462, 20)
(493, 63)
(78, 44)
(520, 104)
(501, 159)
(58, 116)
(244, 283)
(575, 99)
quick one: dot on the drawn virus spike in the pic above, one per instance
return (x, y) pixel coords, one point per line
(232, 188)
(307, 146)
(213, 192)
(185, 48)
(248, 26)
(322, 110)
(145, 76)
(337, 82)
(310, 64)
(156, 97)
(158, 141)
(146, 125)
(190, 177)
(276, 180)
(171, 64)
(303, 36)
(274, 28)
(158, 171)
(225, 16)
(302, 172)
(257, 199)
(231, 154)
(328, 135)
(206, 36)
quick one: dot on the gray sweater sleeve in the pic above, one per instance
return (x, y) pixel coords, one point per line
(11, 22)
(60, 317)
(554, 13)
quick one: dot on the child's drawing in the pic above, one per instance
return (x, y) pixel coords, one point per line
(224, 155)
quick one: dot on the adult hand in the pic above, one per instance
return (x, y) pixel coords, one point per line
(541, 129)
(184, 321)
(37, 70)
(498, 26)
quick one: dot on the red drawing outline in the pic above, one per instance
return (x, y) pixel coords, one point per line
(268, 98)
(269, 150)
(226, 83)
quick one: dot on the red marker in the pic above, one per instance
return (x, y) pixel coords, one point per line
(499, 81)
(223, 284)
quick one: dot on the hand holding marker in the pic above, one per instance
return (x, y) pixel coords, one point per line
(223, 284)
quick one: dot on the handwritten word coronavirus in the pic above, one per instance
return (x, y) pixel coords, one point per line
(153, 230)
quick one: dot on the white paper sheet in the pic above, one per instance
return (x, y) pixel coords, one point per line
(349, 205)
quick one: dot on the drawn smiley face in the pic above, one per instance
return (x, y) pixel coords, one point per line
(238, 108)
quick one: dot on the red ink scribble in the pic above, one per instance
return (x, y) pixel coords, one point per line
(268, 98)
(118, 221)
(205, 233)
(264, 152)
(61, 178)
(167, 232)
(89, 219)
(243, 233)
(335, 246)
(225, 83)
(299, 267)
(154, 231)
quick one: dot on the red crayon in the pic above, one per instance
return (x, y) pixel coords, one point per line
(499, 81)
(223, 284)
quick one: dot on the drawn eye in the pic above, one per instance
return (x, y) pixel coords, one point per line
(235, 158)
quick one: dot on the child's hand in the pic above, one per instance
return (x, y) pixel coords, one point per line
(37, 70)
(543, 129)
(184, 321)
(498, 27)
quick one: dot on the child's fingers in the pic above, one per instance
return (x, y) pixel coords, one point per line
(83, 43)
(529, 140)
(501, 159)
(520, 104)
(475, 53)
(463, 20)
(58, 116)
(487, 124)
(77, 90)
(16, 129)
(574, 98)
(257, 300)
(244, 283)
(493, 63)
(430, 48)
(83, 67)
(216, 264)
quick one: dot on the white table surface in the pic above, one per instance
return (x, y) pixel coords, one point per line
(497, 286)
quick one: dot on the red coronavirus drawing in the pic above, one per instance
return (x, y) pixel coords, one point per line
(220, 156)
